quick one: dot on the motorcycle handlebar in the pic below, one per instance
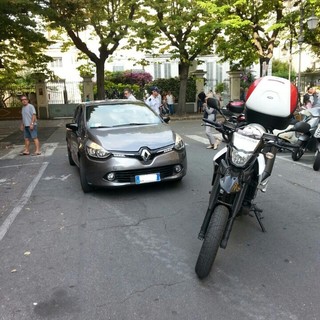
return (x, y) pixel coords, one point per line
(212, 123)
(279, 142)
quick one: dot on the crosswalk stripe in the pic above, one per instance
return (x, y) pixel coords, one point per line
(202, 139)
(47, 150)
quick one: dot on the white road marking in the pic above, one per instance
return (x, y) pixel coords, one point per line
(281, 157)
(21, 203)
(62, 178)
(202, 139)
(16, 149)
(47, 150)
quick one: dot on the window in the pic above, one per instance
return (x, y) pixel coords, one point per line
(219, 73)
(57, 62)
(157, 70)
(117, 68)
(167, 70)
(209, 75)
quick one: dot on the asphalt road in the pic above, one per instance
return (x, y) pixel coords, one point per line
(130, 253)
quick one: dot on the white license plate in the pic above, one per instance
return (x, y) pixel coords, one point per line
(317, 132)
(146, 178)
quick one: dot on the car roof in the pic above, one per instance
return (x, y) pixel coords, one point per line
(112, 101)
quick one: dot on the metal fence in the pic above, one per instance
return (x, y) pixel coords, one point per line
(62, 92)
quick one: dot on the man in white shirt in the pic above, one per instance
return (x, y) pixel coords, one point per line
(153, 101)
(128, 94)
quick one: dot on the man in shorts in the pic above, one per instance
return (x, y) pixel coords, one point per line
(29, 127)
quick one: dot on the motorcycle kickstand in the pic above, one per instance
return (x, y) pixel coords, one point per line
(257, 212)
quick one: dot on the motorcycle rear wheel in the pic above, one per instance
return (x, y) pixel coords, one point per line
(212, 240)
(316, 163)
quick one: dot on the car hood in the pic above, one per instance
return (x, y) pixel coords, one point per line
(133, 138)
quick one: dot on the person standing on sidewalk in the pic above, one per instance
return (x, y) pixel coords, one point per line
(29, 127)
(170, 101)
(153, 100)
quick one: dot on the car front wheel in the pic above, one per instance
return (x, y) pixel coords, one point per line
(86, 187)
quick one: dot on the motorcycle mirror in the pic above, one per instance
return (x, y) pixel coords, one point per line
(302, 127)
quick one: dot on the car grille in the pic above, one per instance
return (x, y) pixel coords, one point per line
(129, 175)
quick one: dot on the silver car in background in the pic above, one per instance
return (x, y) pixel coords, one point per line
(121, 142)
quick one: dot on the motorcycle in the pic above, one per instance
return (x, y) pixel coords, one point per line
(311, 139)
(240, 169)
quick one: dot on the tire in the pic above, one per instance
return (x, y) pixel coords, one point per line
(86, 188)
(212, 240)
(297, 154)
(316, 163)
(71, 162)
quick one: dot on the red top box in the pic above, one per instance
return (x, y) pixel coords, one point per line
(271, 102)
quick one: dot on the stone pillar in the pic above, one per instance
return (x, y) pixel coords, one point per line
(235, 84)
(199, 74)
(42, 98)
(87, 88)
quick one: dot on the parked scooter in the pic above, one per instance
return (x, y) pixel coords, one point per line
(311, 116)
(240, 170)
(306, 141)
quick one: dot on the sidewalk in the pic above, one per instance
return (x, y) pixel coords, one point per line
(10, 133)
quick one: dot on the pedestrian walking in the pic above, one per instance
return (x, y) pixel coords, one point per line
(29, 127)
(210, 111)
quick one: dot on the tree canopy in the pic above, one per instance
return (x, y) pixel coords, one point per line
(182, 29)
(22, 40)
(84, 20)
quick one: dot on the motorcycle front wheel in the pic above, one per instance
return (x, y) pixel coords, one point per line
(297, 154)
(316, 163)
(212, 240)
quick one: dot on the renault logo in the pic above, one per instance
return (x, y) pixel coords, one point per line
(145, 154)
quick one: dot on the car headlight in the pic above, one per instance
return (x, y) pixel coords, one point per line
(96, 151)
(179, 144)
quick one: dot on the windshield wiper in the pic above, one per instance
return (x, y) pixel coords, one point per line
(100, 127)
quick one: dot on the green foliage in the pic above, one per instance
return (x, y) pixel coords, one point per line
(84, 20)
(22, 41)
(281, 69)
(86, 70)
(251, 29)
(181, 29)
(173, 85)
(219, 87)
(246, 78)
(116, 82)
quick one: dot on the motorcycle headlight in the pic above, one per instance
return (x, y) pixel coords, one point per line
(96, 151)
(243, 148)
(179, 144)
(240, 157)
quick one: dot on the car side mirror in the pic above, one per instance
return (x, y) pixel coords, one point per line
(72, 126)
(166, 119)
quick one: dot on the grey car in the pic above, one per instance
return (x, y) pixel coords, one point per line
(121, 142)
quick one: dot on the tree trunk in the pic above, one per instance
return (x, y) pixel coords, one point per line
(264, 63)
(183, 76)
(101, 94)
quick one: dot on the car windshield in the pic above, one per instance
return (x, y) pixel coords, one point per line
(120, 114)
